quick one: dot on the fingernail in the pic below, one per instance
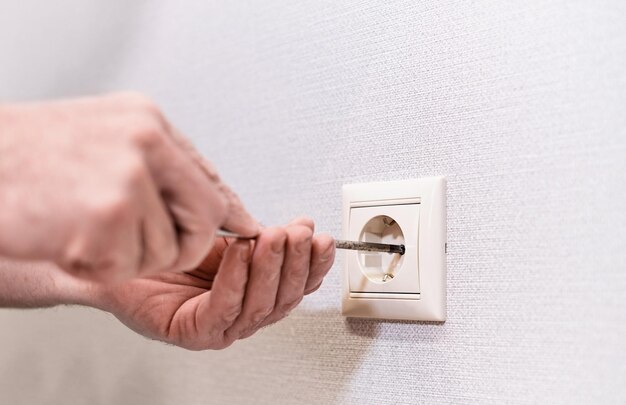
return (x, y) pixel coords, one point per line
(327, 254)
(303, 246)
(278, 245)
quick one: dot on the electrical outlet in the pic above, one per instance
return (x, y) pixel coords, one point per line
(393, 286)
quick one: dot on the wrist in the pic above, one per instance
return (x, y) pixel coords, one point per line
(76, 291)
(66, 289)
(89, 294)
(38, 284)
(69, 290)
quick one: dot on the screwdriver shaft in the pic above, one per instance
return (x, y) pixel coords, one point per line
(369, 246)
(339, 244)
(222, 233)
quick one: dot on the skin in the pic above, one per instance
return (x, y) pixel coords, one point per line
(238, 289)
(106, 188)
(134, 235)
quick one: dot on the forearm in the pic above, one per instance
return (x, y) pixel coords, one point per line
(38, 285)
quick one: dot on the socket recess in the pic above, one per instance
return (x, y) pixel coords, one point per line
(392, 286)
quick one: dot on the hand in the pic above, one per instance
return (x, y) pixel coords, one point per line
(106, 188)
(240, 287)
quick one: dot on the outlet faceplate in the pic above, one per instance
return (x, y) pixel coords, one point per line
(390, 286)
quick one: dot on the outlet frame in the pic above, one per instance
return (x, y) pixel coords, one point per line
(428, 303)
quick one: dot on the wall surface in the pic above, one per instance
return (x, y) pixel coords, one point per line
(521, 104)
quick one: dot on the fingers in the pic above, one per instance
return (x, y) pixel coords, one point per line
(294, 284)
(195, 203)
(238, 219)
(109, 246)
(213, 259)
(249, 293)
(263, 282)
(322, 258)
(85, 258)
(197, 199)
(222, 305)
(294, 274)
(193, 200)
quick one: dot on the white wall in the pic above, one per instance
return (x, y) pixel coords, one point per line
(521, 104)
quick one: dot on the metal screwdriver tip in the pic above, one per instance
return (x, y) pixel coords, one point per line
(370, 246)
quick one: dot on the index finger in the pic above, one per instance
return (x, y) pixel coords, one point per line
(238, 219)
(195, 203)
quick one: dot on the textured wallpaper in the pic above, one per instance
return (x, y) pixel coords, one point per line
(521, 104)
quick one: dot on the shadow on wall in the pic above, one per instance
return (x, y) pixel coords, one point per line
(70, 49)
(321, 350)
(306, 358)
(311, 357)
(371, 328)
(318, 354)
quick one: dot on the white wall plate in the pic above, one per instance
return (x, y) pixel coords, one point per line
(390, 286)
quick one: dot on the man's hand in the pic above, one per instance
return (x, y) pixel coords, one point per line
(240, 287)
(107, 189)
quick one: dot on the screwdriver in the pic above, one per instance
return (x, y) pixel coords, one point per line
(339, 244)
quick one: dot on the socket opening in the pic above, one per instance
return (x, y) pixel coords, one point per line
(381, 267)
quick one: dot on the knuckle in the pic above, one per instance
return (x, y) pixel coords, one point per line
(260, 314)
(104, 271)
(135, 172)
(74, 254)
(228, 316)
(148, 134)
(286, 307)
(76, 263)
(136, 98)
(112, 210)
